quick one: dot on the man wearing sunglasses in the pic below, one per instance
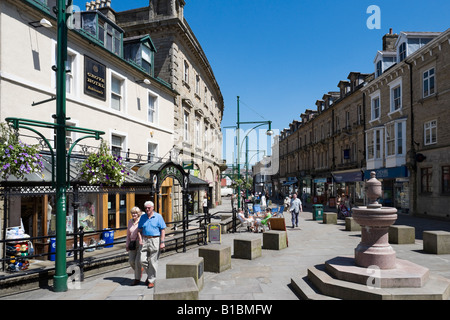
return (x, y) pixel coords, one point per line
(152, 228)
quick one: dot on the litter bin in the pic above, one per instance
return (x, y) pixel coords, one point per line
(108, 237)
(52, 248)
(317, 212)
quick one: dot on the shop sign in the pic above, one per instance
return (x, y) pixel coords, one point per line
(173, 172)
(94, 78)
(348, 176)
(388, 173)
(214, 232)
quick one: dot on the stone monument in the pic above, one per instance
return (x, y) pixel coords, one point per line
(375, 265)
(375, 220)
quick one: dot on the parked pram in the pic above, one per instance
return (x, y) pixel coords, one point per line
(343, 211)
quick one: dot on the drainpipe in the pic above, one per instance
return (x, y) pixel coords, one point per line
(412, 153)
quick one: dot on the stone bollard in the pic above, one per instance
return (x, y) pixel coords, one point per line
(193, 267)
(175, 289)
(247, 248)
(217, 257)
(275, 240)
(330, 218)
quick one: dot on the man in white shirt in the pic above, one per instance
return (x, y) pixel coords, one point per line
(295, 208)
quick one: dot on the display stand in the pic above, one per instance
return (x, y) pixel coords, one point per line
(17, 250)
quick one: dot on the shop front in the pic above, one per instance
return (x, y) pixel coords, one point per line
(321, 190)
(395, 185)
(350, 183)
(29, 205)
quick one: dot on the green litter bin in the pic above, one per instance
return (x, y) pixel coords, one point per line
(317, 212)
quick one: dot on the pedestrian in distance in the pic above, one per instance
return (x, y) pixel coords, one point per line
(206, 209)
(133, 244)
(295, 208)
(152, 229)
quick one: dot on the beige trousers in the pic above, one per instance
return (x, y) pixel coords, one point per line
(149, 257)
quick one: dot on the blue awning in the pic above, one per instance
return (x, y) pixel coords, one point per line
(349, 176)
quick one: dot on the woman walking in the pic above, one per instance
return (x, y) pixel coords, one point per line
(133, 241)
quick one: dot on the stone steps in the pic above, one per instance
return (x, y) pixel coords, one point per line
(320, 284)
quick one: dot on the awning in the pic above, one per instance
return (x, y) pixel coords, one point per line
(197, 184)
(348, 176)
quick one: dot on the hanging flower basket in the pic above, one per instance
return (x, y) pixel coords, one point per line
(103, 168)
(17, 158)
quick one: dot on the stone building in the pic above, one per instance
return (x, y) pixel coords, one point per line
(181, 62)
(393, 122)
(324, 151)
(407, 134)
(107, 89)
(430, 147)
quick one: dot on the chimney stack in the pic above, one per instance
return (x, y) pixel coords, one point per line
(389, 41)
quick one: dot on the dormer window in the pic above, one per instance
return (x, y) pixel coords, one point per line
(402, 51)
(106, 32)
(140, 51)
(379, 70)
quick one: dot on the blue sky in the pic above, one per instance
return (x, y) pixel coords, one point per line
(280, 56)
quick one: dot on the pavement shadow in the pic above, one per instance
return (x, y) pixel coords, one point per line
(121, 280)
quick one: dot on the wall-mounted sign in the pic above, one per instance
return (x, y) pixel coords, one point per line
(94, 78)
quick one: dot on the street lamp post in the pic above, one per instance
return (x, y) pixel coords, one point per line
(238, 123)
(60, 277)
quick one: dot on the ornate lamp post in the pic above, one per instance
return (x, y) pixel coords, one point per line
(269, 133)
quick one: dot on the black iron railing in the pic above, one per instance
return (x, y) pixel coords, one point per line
(180, 234)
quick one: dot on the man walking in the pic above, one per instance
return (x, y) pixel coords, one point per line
(295, 208)
(152, 228)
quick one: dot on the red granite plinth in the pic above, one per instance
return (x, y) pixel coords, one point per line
(405, 274)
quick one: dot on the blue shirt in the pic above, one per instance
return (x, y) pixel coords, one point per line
(151, 226)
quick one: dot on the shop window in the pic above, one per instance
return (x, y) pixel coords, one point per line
(32, 215)
(87, 217)
(117, 211)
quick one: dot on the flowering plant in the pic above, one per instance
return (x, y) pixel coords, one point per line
(16, 157)
(103, 168)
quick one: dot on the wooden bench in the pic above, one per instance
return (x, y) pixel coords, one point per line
(437, 242)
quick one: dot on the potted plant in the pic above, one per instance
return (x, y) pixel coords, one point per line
(103, 168)
(16, 157)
